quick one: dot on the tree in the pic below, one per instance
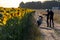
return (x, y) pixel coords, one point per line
(21, 4)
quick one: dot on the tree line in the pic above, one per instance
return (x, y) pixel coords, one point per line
(40, 5)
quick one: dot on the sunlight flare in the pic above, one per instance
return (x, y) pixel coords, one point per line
(15, 3)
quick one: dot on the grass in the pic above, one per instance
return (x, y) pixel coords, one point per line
(57, 18)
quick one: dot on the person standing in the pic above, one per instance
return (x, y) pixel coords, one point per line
(47, 18)
(51, 18)
(50, 15)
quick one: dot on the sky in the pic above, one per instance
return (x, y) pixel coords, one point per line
(14, 3)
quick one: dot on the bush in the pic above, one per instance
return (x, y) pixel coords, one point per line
(20, 29)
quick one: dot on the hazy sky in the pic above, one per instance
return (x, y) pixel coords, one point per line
(14, 3)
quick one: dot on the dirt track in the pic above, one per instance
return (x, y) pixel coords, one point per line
(47, 32)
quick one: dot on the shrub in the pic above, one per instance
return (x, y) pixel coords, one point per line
(20, 29)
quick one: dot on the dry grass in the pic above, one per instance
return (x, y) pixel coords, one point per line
(56, 14)
(57, 18)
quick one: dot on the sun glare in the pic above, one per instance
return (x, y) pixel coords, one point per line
(15, 3)
(42, 1)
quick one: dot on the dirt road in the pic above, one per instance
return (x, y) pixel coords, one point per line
(47, 32)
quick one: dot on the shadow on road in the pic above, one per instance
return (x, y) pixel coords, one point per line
(47, 28)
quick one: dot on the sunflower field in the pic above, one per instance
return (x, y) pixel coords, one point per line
(7, 13)
(17, 24)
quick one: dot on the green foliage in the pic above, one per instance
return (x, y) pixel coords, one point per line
(20, 29)
(1, 15)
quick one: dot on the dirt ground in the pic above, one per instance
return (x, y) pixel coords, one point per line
(47, 32)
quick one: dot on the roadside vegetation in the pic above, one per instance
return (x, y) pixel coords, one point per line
(19, 27)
